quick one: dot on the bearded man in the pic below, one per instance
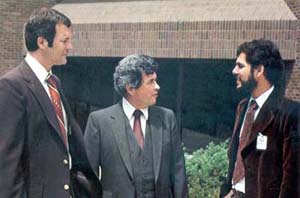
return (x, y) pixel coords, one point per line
(264, 150)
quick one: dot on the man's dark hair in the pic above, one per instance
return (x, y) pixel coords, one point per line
(266, 53)
(42, 22)
(130, 72)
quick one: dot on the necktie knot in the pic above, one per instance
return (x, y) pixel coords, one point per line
(51, 80)
(253, 105)
(137, 113)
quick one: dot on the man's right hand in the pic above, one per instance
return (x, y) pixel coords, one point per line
(230, 194)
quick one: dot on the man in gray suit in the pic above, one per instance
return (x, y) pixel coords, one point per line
(137, 145)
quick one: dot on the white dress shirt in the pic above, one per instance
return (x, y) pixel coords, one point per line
(129, 109)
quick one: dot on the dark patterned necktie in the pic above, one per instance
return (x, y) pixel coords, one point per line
(137, 129)
(239, 170)
(56, 102)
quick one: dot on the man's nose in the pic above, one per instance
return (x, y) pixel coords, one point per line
(234, 70)
(157, 87)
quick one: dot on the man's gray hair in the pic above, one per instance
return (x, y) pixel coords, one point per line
(130, 70)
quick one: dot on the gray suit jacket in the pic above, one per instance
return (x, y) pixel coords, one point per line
(34, 162)
(107, 146)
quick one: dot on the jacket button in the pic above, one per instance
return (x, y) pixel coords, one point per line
(66, 187)
(66, 162)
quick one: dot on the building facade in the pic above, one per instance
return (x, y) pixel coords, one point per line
(195, 42)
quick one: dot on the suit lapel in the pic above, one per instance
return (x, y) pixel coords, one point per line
(118, 124)
(156, 129)
(233, 145)
(118, 119)
(67, 108)
(68, 111)
(41, 96)
(264, 119)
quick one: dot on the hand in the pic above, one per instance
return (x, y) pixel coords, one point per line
(230, 194)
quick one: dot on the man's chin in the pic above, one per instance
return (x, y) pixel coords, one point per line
(153, 103)
(246, 89)
(62, 63)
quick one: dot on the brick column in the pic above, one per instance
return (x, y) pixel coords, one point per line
(293, 85)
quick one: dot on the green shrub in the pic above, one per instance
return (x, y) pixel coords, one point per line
(205, 169)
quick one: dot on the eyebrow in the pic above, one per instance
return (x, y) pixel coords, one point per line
(240, 64)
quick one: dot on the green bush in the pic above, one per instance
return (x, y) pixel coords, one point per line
(205, 169)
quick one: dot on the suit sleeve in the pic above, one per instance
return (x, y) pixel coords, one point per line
(179, 180)
(290, 185)
(92, 142)
(12, 132)
(232, 151)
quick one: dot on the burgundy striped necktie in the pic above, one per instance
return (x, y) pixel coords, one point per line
(137, 129)
(239, 170)
(56, 102)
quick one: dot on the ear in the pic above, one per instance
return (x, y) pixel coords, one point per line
(259, 71)
(42, 42)
(129, 90)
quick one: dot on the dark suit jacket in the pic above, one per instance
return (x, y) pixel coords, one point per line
(34, 161)
(274, 172)
(107, 146)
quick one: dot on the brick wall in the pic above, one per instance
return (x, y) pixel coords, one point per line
(13, 15)
(172, 39)
(206, 40)
(293, 86)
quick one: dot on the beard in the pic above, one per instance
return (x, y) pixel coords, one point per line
(249, 85)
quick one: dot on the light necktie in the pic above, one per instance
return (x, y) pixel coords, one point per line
(239, 170)
(56, 102)
(137, 129)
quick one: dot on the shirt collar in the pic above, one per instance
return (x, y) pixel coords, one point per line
(38, 69)
(260, 100)
(129, 109)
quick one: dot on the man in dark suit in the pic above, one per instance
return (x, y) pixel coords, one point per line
(137, 145)
(42, 150)
(264, 151)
